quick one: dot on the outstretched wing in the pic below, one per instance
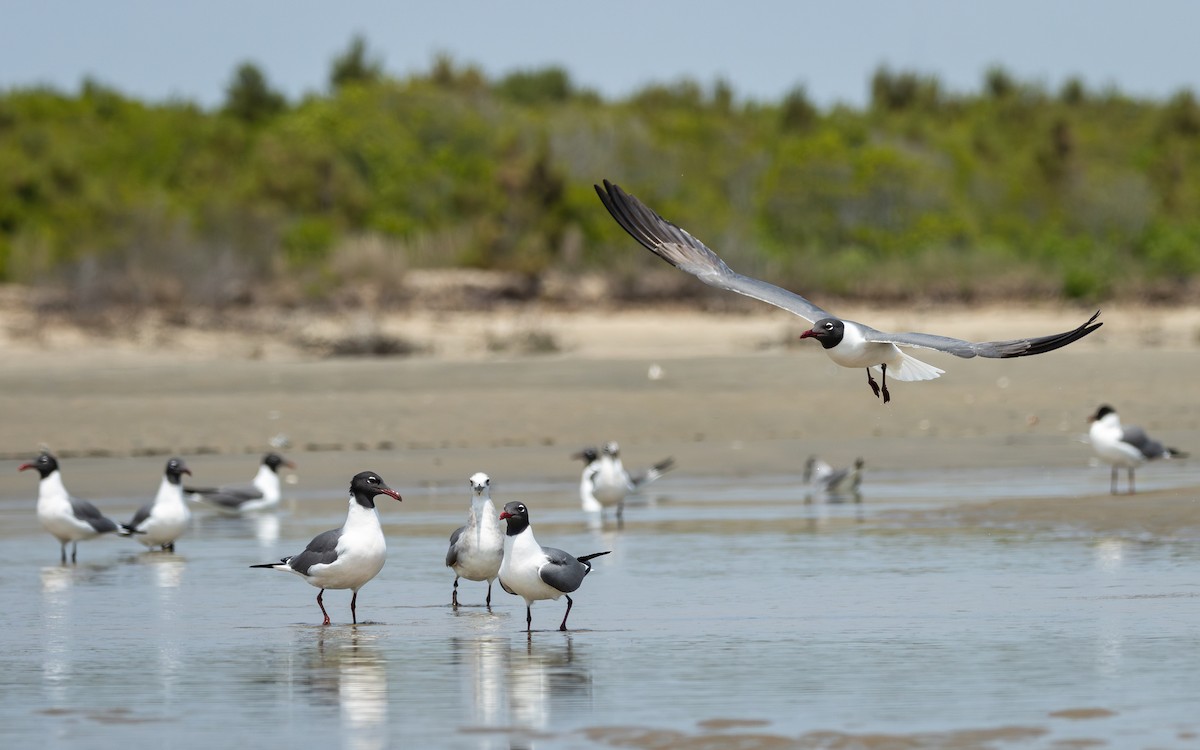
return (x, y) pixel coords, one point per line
(654, 472)
(685, 252)
(993, 349)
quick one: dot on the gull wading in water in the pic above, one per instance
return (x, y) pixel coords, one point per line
(262, 493)
(847, 343)
(346, 557)
(160, 523)
(1124, 446)
(67, 518)
(606, 482)
(534, 572)
(477, 548)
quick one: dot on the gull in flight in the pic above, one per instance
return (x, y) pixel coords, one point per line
(847, 343)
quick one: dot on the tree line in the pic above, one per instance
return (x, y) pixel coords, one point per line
(1011, 191)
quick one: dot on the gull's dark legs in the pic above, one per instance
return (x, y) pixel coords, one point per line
(1131, 480)
(74, 550)
(528, 620)
(487, 601)
(1112, 485)
(353, 614)
(563, 626)
(886, 396)
(454, 594)
(321, 604)
(871, 382)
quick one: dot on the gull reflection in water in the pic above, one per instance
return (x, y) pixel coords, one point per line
(348, 672)
(520, 685)
(262, 527)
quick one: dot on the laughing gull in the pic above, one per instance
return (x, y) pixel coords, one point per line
(1127, 447)
(160, 523)
(847, 343)
(534, 572)
(477, 548)
(261, 494)
(346, 557)
(821, 477)
(605, 481)
(67, 518)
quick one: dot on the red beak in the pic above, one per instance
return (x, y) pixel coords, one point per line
(505, 514)
(808, 334)
(23, 467)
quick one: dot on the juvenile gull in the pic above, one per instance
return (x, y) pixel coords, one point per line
(477, 548)
(847, 343)
(346, 557)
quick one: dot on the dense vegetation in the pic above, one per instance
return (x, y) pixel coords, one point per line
(1011, 191)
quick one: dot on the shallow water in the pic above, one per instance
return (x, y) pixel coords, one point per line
(731, 613)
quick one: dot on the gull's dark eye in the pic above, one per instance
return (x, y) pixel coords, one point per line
(829, 326)
(373, 479)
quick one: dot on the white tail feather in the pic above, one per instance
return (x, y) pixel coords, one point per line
(910, 368)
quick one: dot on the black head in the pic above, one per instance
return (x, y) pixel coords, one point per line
(517, 516)
(176, 468)
(273, 461)
(366, 485)
(828, 331)
(588, 454)
(1103, 412)
(45, 465)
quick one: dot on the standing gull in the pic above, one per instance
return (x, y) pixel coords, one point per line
(67, 518)
(847, 343)
(261, 494)
(534, 572)
(606, 483)
(160, 523)
(347, 557)
(1121, 446)
(477, 548)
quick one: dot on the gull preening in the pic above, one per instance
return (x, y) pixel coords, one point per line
(534, 572)
(847, 343)
(67, 518)
(161, 522)
(1124, 446)
(349, 556)
(605, 482)
(477, 548)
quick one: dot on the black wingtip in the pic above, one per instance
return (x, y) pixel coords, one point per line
(1059, 340)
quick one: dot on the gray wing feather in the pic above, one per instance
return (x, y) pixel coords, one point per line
(228, 497)
(992, 349)
(142, 514)
(562, 571)
(685, 252)
(452, 553)
(322, 550)
(1138, 438)
(654, 472)
(91, 515)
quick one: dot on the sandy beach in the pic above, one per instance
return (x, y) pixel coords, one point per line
(728, 395)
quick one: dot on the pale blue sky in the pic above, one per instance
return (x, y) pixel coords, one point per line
(157, 49)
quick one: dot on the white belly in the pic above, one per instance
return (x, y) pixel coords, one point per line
(164, 526)
(352, 569)
(475, 564)
(57, 518)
